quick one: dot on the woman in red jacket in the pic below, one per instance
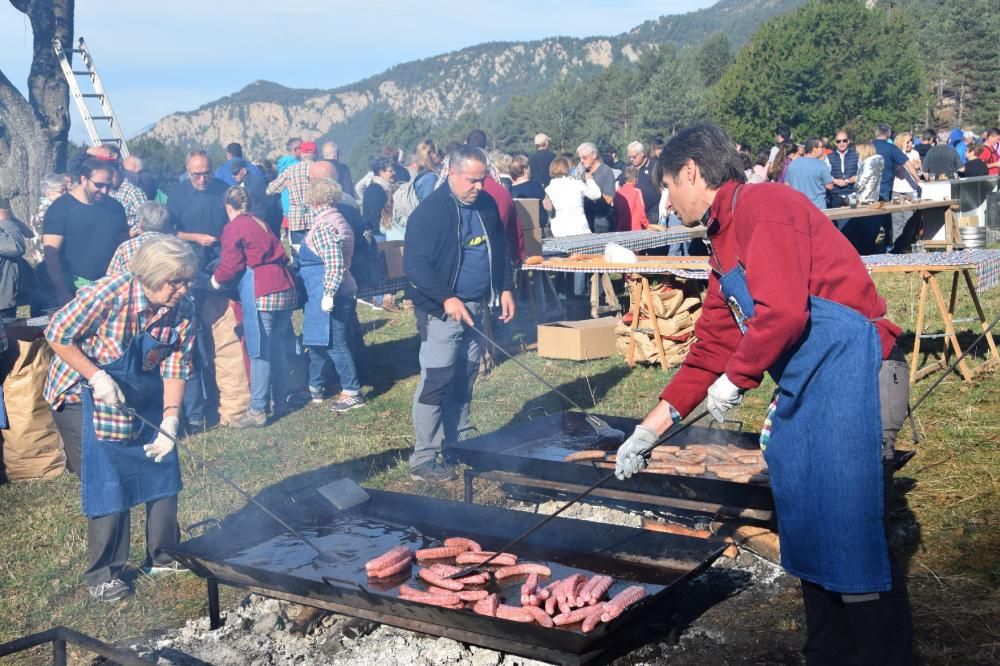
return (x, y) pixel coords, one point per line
(789, 296)
(252, 257)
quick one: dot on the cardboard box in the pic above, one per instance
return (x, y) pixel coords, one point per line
(528, 216)
(578, 340)
(393, 251)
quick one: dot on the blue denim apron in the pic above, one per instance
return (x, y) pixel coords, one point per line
(315, 322)
(251, 325)
(117, 475)
(824, 454)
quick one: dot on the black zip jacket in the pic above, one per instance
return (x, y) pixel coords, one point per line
(432, 250)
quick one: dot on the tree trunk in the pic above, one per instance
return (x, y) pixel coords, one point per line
(36, 128)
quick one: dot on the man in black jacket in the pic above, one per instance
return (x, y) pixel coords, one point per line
(455, 258)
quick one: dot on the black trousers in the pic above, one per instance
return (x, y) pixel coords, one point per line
(108, 536)
(865, 630)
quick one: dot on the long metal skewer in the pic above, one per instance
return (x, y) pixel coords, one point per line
(545, 521)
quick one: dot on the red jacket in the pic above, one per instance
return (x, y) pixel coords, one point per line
(246, 242)
(508, 215)
(790, 251)
(630, 210)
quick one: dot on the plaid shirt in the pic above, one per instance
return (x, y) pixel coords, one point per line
(131, 198)
(324, 241)
(121, 262)
(296, 180)
(96, 321)
(279, 300)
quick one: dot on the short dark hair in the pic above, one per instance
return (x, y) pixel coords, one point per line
(91, 164)
(458, 157)
(763, 157)
(477, 138)
(379, 164)
(812, 143)
(993, 131)
(235, 150)
(929, 136)
(883, 129)
(708, 146)
(291, 143)
(784, 131)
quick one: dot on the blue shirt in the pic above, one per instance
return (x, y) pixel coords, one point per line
(473, 282)
(894, 157)
(809, 176)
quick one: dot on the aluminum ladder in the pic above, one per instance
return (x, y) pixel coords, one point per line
(99, 93)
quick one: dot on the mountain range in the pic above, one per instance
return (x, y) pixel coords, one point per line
(479, 78)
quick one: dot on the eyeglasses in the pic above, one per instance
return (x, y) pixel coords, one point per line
(840, 140)
(100, 186)
(180, 283)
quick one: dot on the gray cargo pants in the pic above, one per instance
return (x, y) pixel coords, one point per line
(894, 396)
(449, 365)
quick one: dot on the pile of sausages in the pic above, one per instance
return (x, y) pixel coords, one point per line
(571, 600)
(727, 462)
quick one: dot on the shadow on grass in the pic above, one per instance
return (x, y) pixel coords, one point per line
(285, 496)
(390, 362)
(586, 391)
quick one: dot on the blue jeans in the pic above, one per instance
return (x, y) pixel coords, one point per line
(269, 373)
(338, 353)
(677, 249)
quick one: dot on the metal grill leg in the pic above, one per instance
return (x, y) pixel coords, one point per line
(214, 620)
(59, 652)
(468, 476)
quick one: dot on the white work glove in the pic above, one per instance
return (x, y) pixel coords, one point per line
(326, 304)
(163, 445)
(632, 454)
(723, 395)
(215, 283)
(106, 390)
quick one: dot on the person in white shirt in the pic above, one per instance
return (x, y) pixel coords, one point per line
(565, 199)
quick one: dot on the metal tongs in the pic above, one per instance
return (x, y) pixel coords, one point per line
(542, 523)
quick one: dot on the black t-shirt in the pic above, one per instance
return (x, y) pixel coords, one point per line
(91, 233)
(539, 163)
(974, 168)
(198, 211)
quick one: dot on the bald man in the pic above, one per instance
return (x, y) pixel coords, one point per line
(331, 154)
(540, 161)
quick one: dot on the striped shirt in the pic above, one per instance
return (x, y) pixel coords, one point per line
(121, 262)
(295, 179)
(131, 198)
(96, 320)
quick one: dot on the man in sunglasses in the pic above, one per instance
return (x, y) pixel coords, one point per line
(844, 169)
(90, 222)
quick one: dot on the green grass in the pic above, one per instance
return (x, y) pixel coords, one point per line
(954, 571)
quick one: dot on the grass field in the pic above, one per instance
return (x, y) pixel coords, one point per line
(951, 499)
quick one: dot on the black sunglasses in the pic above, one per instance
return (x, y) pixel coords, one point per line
(841, 140)
(100, 186)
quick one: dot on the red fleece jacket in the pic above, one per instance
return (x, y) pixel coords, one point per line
(790, 251)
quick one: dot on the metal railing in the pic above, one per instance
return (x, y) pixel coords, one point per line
(60, 636)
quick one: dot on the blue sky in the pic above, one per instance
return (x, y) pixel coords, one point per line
(156, 58)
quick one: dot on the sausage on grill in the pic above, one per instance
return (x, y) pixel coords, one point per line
(440, 581)
(462, 541)
(440, 553)
(411, 594)
(515, 613)
(540, 616)
(392, 569)
(387, 559)
(622, 600)
(502, 560)
(579, 615)
(525, 568)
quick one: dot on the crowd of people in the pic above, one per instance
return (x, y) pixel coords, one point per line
(170, 317)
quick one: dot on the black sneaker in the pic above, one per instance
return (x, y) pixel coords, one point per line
(157, 569)
(432, 472)
(113, 590)
(345, 402)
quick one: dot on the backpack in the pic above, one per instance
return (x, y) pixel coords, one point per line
(405, 201)
(366, 265)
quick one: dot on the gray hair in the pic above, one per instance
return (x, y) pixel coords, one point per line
(458, 157)
(324, 192)
(329, 150)
(586, 149)
(162, 260)
(542, 140)
(502, 162)
(52, 182)
(152, 216)
(637, 146)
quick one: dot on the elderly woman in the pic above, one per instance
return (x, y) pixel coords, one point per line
(252, 258)
(566, 196)
(325, 267)
(125, 340)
